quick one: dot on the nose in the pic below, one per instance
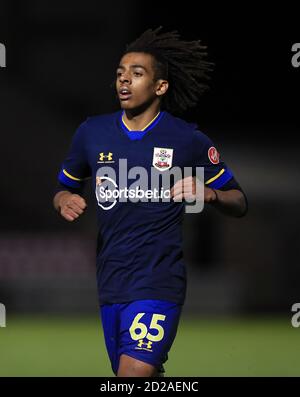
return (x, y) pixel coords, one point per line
(124, 78)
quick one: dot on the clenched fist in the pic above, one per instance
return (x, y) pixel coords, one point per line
(70, 206)
(186, 189)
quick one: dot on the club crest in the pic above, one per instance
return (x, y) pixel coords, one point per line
(162, 158)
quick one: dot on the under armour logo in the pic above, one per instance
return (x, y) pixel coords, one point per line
(147, 344)
(103, 156)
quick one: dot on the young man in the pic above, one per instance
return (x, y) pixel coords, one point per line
(140, 272)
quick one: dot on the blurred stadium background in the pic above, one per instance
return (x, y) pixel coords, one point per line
(242, 274)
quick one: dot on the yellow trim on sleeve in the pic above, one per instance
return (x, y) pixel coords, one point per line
(215, 177)
(71, 177)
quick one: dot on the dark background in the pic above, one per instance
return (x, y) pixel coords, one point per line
(61, 60)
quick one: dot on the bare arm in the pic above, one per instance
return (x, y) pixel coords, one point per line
(69, 205)
(230, 202)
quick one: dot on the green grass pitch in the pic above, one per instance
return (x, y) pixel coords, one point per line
(56, 346)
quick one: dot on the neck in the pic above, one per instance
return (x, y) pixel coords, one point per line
(137, 120)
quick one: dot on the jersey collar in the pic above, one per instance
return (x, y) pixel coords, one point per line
(148, 127)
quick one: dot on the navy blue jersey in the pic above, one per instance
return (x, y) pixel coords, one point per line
(139, 252)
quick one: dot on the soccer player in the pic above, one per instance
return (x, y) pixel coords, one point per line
(140, 271)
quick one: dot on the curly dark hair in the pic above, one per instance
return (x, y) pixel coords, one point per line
(182, 63)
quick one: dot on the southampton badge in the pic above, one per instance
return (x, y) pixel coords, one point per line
(162, 158)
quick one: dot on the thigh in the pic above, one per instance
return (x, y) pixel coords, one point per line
(147, 330)
(131, 367)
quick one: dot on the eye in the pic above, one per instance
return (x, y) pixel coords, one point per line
(138, 74)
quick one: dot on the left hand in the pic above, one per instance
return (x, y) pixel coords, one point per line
(186, 189)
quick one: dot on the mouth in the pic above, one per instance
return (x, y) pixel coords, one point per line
(124, 94)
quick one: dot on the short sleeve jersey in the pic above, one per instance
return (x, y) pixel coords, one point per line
(139, 253)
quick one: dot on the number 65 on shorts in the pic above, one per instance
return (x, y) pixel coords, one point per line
(144, 330)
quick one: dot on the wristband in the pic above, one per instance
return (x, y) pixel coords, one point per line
(217, 198)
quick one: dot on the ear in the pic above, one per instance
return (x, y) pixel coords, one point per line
(162, 87)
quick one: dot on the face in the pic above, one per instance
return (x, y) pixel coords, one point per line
(135, 81)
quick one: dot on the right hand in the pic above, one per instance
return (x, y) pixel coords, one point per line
(71, 206)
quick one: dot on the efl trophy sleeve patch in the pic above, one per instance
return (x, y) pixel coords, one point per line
(213, 155)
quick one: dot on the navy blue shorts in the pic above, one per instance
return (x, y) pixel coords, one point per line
(144, 330)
